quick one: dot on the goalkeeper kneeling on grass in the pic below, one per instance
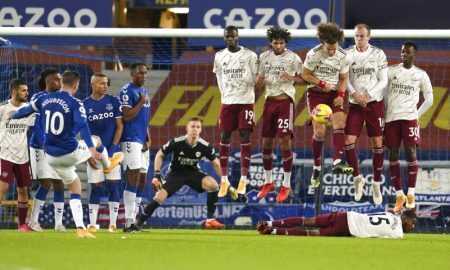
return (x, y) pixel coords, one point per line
(187, 151)
(381, 225)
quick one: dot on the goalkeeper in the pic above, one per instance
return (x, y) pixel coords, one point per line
(187, 152)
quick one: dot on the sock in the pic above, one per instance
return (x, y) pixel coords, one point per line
(317, 143)
(268, 165)
(224, 155)
(39, 202)
(319, 168)
(396, 178)
(411, 190)
(105, 158)
(211, 201)
(58, 204)
(138, 201)
(284, 231)
(377, 161)
(93, 213)
(22, 210)
(413, 169)
(287, 167)
(77, 210)
(246, 153)
(113, 189)
(338, 143)
(268, 177)
(113, 212)
(267, 159)
(224, 179)
(289, 222)
(352, 158)
(151, 207)
(129, 196)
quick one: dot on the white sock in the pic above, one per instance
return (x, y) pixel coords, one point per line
(59, 211)
(411, 190)
(130, 203)
(93, 213)
(269, 223)
(77, 212)
(244, 179)
(274, 231)
(376, 184)
(105, 159)
(319, 168)
(113, 212)
(37, 207)
(287, 179)
(399, 193)
(137, 201)
(336, 161)
(225, 179)
(268, 177)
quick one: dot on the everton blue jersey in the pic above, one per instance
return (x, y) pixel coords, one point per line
(101, 115)
(62, 117)
(34, 140)
(135, 130)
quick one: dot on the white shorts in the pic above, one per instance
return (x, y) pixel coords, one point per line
(65, 165)
(97, 176)
(40, 168)
(134, 158)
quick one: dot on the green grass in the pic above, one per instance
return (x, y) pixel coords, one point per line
(198, 249)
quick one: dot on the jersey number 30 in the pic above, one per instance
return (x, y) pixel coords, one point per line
(50, 122)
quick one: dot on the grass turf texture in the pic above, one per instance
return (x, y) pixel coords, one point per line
(229, 249)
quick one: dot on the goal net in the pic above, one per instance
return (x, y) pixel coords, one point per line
(183, 85)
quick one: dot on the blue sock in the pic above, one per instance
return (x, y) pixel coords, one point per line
(41, 193)
(113, 189)
(75, 196)
(101, 148)
(131, 188)
(139, 192)
(58, 196)
(96, 192)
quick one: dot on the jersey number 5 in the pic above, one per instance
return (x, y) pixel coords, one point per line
(50, 122)
(376, 219)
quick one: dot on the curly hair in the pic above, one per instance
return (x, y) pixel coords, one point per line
(276, 33)
(329, 33)
(44, 74)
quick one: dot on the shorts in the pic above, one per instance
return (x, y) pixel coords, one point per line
(40, 168)
(134, 158)
(10, 170)
(278, 118)
(175, 180)
(237, 116)
(406, 130)
(315, 98)
(65, 165)
(333, 224)
(97, 176)
(372, 115)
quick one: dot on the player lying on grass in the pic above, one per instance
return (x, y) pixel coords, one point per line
(187, 152)
(382, 225)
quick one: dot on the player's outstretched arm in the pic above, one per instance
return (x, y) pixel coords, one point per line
(23, 112)
(310, 78)
(159, 159)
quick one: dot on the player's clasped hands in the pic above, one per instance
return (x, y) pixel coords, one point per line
(95, 156)
(338, 102)
(361, 99)
(327, 87)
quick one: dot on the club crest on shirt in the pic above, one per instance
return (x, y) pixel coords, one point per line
(198, 154)
(242, 62)
(109, 106)
(4, 174)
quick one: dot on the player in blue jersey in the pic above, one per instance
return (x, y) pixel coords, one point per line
(104, 115)
(63, 117)
(135, 141)
(49, 81)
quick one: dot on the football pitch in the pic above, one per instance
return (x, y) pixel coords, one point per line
(227, 249)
